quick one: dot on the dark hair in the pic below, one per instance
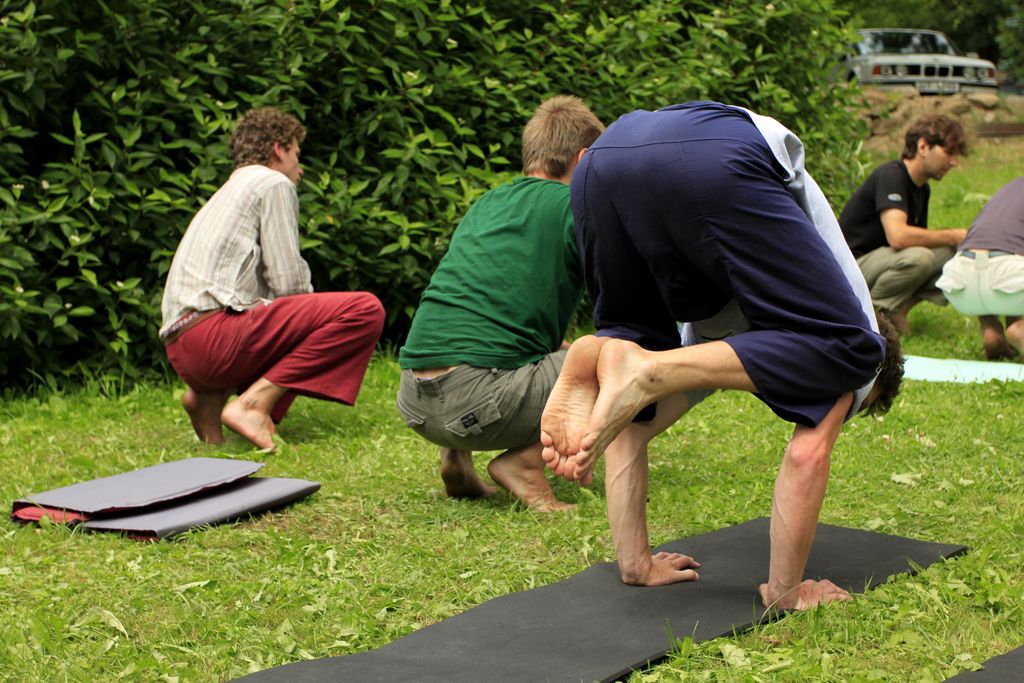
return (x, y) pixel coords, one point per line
(936, 129)
(890, 374)
(558, 130)
(253, 140)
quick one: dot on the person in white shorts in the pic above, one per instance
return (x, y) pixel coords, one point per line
(986, 277)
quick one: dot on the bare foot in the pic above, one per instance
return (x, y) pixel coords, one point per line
(665, 568)
(249, 414)
(626, 375)
(521, 473)
(997, 345)
(993, 340)
(204, 411)
(807, 595)
(563, 424)
(459, 477)
(580, 467)
(252, 423)
(1001, 351)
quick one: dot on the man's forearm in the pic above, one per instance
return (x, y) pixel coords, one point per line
(626, 493)
(913, 236)
(626, 484)
(799, 492)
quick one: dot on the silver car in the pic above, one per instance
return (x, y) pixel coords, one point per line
(924, 59)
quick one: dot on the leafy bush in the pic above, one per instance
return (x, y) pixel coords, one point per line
(1011, 45)
(114, 118)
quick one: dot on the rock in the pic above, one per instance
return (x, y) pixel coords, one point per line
(902, 92)
(881, 144)
(957, 105)
(875, 99)
(890, 111)
(985, 100)
(1015, 103)
(888, 129)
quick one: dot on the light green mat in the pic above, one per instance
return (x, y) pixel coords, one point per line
(951, 370)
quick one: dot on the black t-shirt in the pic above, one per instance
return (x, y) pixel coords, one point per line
(888, 187)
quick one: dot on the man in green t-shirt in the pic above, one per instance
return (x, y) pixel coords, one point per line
(486, 344)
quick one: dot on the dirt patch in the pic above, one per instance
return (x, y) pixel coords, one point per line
(889, 112)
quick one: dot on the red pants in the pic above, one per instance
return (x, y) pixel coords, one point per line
(312, 344)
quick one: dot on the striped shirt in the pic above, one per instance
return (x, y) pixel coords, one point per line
(241, 249)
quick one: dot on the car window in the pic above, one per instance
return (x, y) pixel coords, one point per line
(905, 42)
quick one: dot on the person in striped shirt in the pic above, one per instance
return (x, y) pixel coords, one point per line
(239, 312)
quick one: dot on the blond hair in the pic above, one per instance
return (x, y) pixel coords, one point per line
(252, 141)
(556, 133)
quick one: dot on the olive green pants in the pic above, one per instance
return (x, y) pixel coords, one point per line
(894, 277)
(480, 409)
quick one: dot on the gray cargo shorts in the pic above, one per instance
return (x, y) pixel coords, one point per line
(480, 409)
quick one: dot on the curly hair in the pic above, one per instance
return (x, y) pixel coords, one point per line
(252, 141)
(558, 130)
(936, 129)
(890, 375)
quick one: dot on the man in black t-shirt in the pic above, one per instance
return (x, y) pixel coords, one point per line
(886, 220)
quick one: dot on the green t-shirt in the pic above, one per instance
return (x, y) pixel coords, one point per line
(504, 293)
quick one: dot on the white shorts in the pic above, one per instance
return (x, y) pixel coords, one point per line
(980, 283)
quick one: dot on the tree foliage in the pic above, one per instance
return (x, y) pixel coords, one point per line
(1011, 45)
(991, 28)
(114, 117)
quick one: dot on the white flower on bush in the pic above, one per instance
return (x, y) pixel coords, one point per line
(17, 187)
(75, 238)
(92, 201)
(19, 289)
(45, 184)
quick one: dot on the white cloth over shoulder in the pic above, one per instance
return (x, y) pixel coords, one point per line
(788, 150)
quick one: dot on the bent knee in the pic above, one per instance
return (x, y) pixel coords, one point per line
(364, 307)
(372, 306)
(808, 458)
(367, 301)
(916, 259)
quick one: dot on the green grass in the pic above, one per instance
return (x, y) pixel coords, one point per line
(380, 551)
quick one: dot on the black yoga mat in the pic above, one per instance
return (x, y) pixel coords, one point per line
(1008, 667)
(592, 627)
